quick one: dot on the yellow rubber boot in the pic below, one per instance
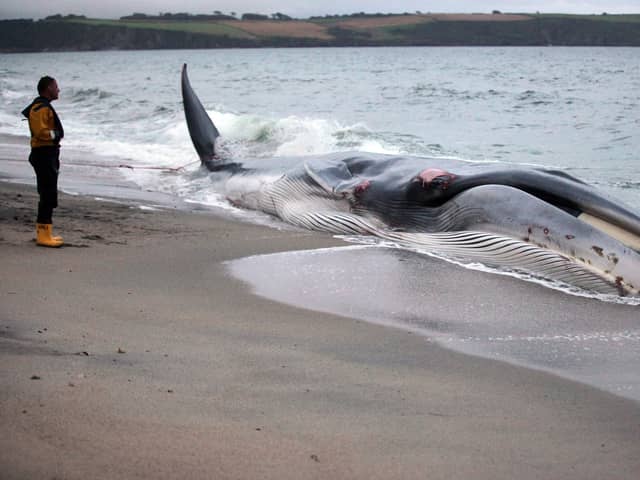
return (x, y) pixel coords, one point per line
(44, 237)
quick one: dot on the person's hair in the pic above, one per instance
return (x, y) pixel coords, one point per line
(44, 83)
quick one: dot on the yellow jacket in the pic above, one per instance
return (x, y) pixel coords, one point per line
(46, 128)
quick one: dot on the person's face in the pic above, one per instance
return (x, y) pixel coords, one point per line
(53, 91)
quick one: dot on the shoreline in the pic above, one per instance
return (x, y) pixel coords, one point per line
(135, 338)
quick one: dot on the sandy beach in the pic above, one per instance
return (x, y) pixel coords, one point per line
(132, 353)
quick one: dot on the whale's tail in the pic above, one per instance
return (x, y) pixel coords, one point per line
(201, 129)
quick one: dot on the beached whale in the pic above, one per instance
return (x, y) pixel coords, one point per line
(542, 222)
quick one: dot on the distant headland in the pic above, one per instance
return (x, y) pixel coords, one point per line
(252, 30)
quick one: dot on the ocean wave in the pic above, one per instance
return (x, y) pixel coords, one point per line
(422, 90)
(83, 94)
(11, 94)
(622, 184)
(13, 124)
(289, 136)
(533, 98)
(628, 185)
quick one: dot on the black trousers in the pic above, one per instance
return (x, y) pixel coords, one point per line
(46, 163)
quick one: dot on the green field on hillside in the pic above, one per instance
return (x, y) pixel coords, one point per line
(631, 18)
(207, 28)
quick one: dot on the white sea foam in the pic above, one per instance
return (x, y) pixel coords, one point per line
(293, 135)
(12, 123)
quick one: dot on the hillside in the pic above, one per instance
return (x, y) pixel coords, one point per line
(74, 33)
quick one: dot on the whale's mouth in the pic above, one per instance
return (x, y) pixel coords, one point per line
(432, 187)
(620, 234)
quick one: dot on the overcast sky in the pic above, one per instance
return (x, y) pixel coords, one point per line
(303, 8)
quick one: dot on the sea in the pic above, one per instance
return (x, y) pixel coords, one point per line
(572, 109)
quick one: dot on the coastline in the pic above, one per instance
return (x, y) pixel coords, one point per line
(152, 361)
(185, 31)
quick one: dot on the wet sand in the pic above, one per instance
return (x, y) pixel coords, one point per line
(132, 353)
(578, 337)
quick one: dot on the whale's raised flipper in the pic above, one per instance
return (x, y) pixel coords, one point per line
(201, 129)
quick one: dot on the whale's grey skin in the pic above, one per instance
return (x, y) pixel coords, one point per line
(524, 220)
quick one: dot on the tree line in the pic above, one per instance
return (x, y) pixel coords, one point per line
(217, 15)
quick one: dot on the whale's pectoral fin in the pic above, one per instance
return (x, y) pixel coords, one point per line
(334, 178)
(202, 131)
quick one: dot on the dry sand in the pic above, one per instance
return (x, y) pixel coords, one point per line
(131, 353)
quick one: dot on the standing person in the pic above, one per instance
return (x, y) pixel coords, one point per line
(46, 133)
